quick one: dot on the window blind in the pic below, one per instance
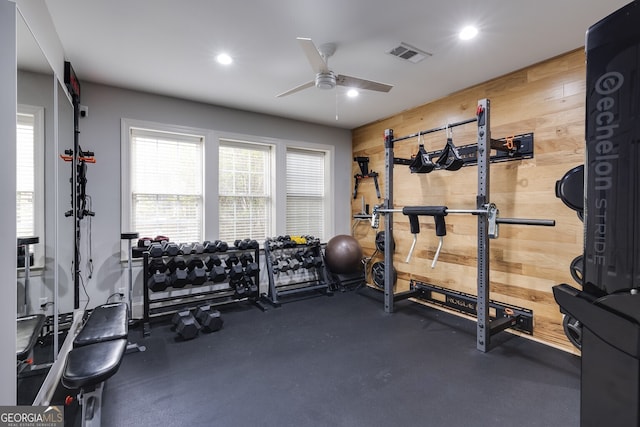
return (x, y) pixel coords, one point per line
(25, 175)
(244, 191)
(167, 184)
(305, 192)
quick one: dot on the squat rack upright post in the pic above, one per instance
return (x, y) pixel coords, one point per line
(483, 156)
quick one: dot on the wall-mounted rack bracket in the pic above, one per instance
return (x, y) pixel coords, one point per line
(363, 163)
(503, 316)
(517, 147)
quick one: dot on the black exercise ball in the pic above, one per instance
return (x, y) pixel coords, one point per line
(343, 255)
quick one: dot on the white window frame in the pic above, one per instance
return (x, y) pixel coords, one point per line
(327, 200)
(250, 144)
(37, 112)
(125, 197)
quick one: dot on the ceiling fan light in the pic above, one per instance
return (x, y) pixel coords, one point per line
(352, 93)
(468, 32)
(224, 59)
(325, 80)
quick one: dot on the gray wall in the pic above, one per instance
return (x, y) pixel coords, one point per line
(100, 132)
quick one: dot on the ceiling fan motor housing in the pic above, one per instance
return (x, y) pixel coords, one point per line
(325, 80)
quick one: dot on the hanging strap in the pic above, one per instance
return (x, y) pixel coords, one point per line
(422, 162)
(449, 157)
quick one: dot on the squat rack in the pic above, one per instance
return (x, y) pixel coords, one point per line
(487, 224)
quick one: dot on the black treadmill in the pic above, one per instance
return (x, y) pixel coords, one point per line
(608, 305)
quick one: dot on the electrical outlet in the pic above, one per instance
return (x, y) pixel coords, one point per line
(44, 301)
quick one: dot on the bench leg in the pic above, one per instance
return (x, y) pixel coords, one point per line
(91, 403)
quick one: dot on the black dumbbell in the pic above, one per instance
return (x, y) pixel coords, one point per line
(186, 325)
(179, 274)
(253, 244)
(250, 266)
(283, 265)
(241, 244)
(221, 246)
(252, 287)
(197, 273)
(171, 249)
(209, 247)
(234, 266)
(210, 320)
(186, 248)
(217, 274)
(211, 261)
(176, 262)
(155, 250)
(158, 282)
(198, 248)
(156, 265)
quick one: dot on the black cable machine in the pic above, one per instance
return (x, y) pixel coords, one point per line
(79, 160)
(507, 316)
(608, 306)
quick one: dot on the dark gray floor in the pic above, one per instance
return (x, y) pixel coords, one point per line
(341, 361)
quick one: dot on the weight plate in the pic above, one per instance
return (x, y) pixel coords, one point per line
(573, 330)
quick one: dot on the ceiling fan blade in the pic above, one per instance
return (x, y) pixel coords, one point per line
(318, 63)
(297, 89)
(354, 82)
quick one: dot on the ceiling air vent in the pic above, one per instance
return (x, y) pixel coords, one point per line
(409, 53)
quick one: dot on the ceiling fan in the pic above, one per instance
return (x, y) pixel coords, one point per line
(325, 78)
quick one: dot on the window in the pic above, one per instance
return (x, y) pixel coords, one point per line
(306, 210)
(166, 184)
(30, 178)
(244, 191)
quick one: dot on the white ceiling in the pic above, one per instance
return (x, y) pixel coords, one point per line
(168, 47)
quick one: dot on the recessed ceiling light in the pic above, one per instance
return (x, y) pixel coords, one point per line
(224, 59)
(468, 33)
(352, 93)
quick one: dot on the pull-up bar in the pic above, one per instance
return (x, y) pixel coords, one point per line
(438, 129)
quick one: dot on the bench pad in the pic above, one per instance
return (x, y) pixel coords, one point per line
(28, 330)
(92, 364)
(105, 323)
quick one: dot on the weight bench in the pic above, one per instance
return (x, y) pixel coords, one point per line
(96, 356)
(27, 332)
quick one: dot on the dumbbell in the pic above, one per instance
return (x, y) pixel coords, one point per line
(156, 265)
(253, 244)
(294, 264)
(197, 273)
(185, 325)
(155, 250)
(171, 249)
(217, 272)
(211, 261)
(283, 265)
(158, 282)
(252, 287)
(241, 244)
(221, 246)
(250, 266)
(210, 320)
(179, 275)
(234, 266)
(209, 247)
(198, 248)
(186, 248)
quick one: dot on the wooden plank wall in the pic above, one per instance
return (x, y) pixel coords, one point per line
(547, 99)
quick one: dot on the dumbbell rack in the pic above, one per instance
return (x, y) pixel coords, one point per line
(190, 296)
(295, 279)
